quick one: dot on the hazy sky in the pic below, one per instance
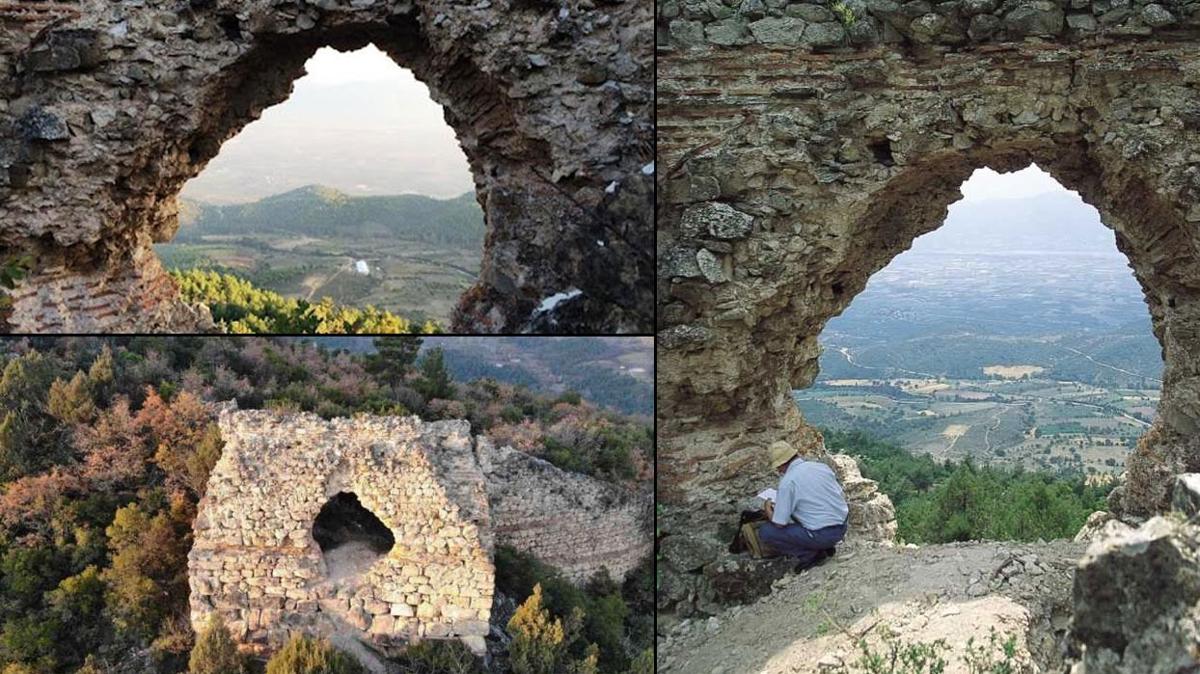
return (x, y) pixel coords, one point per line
(329, 66)
(356, 122)
(985, 183)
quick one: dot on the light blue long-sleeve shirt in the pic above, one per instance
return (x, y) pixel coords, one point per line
(809, 493)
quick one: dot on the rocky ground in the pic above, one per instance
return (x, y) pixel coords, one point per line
(813, 621)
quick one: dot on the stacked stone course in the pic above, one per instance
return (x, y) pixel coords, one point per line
(923, 25)
(571, 521)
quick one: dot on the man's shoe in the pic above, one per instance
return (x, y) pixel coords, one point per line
(820, 559)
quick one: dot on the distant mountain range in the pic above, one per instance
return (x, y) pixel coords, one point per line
(1054, 222)
(323, 211)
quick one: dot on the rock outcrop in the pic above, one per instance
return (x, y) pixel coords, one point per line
(443, 498)
(1137, 600)
(1137, 594)
(804, 145)
(813, 622)
(872, 515)
(107, 108)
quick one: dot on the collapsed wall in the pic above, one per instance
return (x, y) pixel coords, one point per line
(576, 523)
(282, 541)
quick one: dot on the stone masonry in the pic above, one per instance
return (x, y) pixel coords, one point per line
(574, 522)
(447, 497)
(803, 145)
(108, 108)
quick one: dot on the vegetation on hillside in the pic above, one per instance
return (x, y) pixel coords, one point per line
(613, 621)
(584, 365)
(323, 212)
(944, 501)
(105, 450)
(240, 307)
(306, 655)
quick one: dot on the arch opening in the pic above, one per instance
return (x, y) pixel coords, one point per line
(350, 536)
(1014, 334)
(355, 188)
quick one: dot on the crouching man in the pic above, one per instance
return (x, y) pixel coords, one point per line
(809, 517)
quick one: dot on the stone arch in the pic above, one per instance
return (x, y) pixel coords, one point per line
(256, 559)
(447, 498)
(779, 202)
(113, 112)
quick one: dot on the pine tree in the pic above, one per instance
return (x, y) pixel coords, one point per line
(71, 402)
(539, 643)
(435, 379)
(394, 356)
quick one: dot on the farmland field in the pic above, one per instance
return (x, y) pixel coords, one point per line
(1041, 356)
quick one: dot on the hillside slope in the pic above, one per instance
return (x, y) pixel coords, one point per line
(322, 211)
(812, 622)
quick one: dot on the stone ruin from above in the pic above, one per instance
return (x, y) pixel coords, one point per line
(378, 531)
(108, 108)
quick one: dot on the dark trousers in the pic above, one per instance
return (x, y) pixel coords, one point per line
(795, 540)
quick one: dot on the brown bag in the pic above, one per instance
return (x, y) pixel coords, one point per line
(750, 535)
(738, 544)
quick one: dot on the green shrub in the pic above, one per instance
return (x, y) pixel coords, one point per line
(941, 502)
(439, 657)
(306, 655)
(215, 651)
(644, 663)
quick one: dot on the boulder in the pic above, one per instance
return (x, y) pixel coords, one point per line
(66, 50)
(828, 34)
(1127, 583)
(1100, 524)
(1157, 16)
(741, 580)
(773, 31)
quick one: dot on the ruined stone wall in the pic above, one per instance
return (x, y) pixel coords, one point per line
(255, 560)
(571, 521)
(447, 497)
(800, 153)
(108, 108)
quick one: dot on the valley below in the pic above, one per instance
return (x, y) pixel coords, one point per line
(1039, 356)
(408, 254)
(1034, 423)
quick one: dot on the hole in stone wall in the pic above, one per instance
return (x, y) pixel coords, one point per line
(1014, 335)
(355, 189)
(882, 150)
(351, 537)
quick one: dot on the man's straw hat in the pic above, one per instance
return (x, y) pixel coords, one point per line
(780, 452)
